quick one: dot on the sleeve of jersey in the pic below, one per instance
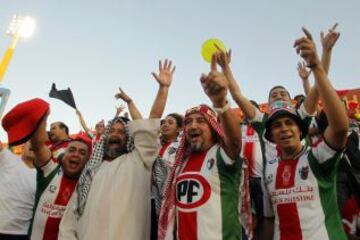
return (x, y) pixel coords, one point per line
(303, 113)
(259, 116)
(145, 134)
(6, 156)
(90, 134)
(268, 209)
(46, 173)
(323, 159)
(226, 159)
(67, 229)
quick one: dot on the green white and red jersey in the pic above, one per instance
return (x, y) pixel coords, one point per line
(208, 197)
(52, 196)
(301, 194)
(251, 150)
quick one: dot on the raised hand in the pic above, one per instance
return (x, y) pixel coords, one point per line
(215, 85)
(328, 41)
(119, 109)
(166, 72)
(223, 58)
(305, 46)
(122, 95)
(303, 72)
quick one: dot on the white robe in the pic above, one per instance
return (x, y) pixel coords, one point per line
(118, 204)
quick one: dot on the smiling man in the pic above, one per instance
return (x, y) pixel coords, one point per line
(201, 197)
(55, 181)
(114, 189)
(300, 196)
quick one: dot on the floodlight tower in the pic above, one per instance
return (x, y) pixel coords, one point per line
(21, 27)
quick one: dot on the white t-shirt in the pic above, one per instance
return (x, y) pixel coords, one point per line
(17, 194)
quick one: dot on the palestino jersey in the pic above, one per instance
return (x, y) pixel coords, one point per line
(301, 194)
(251, 150)
(52, 195)
(207, 196)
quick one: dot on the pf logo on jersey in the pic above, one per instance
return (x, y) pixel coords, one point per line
(192, 191)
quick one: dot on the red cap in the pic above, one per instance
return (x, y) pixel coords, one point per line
(21, 121)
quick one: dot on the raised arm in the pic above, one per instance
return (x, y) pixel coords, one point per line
(119, 109)
(328, 42)
(134, 111)
(38, 139)
(82, 122)
(4, 97)
(224, 59)
(215, 86)
(164, 78)
(304, 75)
(336, 132)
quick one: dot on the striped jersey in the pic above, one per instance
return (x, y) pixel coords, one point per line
(52, 195)
(58, 148)
(251, 150)
(301, 194)
(207, 196)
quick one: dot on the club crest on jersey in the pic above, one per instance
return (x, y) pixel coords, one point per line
(304, 172)
(272, 161)
(52, 188)
(286, 175)
(171, 150)
(192, 191)
(210, 163)
(269, 178)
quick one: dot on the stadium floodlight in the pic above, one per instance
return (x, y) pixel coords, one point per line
(21, 27)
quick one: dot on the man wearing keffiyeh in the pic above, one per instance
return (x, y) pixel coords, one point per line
(202, 191)
(113, 199)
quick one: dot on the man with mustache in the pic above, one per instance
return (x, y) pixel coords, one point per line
(114, 190)
(201, 197)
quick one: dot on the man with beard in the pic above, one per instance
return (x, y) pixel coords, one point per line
(17, 188)
(56, 181)
(114, 190)
(201, 197)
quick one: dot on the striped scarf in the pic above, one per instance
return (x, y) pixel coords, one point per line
(88, 174)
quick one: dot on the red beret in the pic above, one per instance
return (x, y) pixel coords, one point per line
(21, 121)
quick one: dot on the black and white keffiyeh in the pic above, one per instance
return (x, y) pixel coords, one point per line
(90, 169)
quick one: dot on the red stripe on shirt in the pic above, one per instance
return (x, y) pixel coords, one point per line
(163, 148)
(289, 220)
(187, 231)
(195, 162)
(249, 150)
(187, 221)
(67, 187)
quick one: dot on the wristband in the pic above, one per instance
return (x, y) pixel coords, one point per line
(223, 109)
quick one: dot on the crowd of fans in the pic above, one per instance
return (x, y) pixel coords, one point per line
(290, 173)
